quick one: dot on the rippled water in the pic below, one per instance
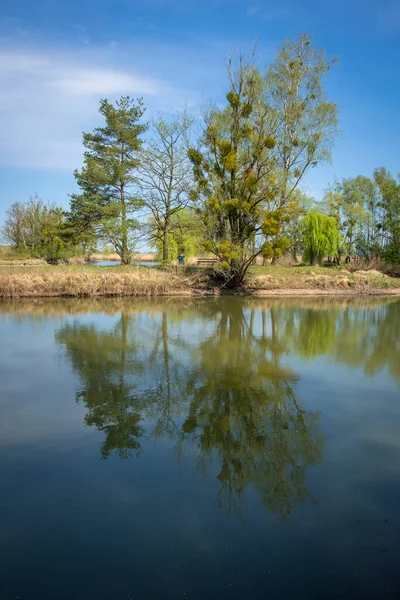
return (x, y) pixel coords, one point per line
(219, 448)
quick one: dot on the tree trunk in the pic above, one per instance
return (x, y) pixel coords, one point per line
(314, 259)
(165, 246)
(125, 254)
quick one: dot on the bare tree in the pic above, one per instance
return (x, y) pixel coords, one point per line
(165, 177)
(13, 230)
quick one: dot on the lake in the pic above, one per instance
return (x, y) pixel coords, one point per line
(200, 449)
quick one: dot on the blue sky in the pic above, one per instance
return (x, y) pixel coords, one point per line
(57, 59)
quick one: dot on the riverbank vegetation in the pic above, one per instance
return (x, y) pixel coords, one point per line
(228, 186)
(86, 281)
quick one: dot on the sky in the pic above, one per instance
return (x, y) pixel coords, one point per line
(58, 59)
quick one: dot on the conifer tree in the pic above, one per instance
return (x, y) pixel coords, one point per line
(108, 175)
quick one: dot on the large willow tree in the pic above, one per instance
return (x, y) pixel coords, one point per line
(321, 237)
(255, 151)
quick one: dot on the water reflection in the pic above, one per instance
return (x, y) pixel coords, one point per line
(212, 378)
(231, 388)
(228, 397)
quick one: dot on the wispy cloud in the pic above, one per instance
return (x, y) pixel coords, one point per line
(48, 98)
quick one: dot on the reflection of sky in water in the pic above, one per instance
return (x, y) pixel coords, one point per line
(151, 525)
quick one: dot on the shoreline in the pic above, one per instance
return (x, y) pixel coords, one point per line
(211, 293)
(77, 281)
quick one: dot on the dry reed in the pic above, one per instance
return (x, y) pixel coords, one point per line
(88, 282)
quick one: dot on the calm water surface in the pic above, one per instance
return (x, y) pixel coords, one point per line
(220, 448)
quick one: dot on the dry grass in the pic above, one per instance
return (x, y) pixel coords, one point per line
(28, 262)
(88, 281)
(76, 260)
(9, 256)
(374, 265)
(320, 278)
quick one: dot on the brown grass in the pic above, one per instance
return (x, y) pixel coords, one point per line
(319, 278)
(88, 281)
(374, 265)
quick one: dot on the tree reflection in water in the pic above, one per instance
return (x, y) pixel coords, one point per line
(211, 378)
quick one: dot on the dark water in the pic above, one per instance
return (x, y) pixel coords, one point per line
(224, 448)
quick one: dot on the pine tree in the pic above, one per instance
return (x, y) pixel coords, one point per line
(108, 175)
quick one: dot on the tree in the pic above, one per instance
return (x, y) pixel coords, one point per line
(368, 214)
(390, 224)
(296, 208)
(13, 231)
(165, 178)
(352, 202)
(36, 226)
(320, 236)
(186, 235)
(86, 218)
(255, 151)
(306, 122)
(108, 174)
(52, 247)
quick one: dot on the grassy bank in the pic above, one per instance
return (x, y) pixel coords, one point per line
(322, 279)
(85, 281)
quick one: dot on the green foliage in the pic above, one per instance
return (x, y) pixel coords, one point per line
(186, 236)
(234, 409)
(306, 121)
(53, 247)
(235, 192)
(107, 203)
(367, 212)
(36, 228)
(295, 209)
(321, 236)
(255, 151)
(389, 229)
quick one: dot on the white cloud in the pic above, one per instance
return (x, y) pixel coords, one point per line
(48, 98)
(97, 81)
